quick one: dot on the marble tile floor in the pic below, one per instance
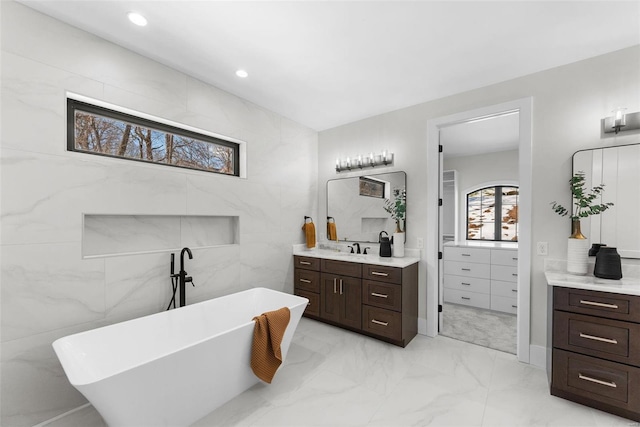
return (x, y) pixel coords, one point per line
(334, 377)
(482, 327)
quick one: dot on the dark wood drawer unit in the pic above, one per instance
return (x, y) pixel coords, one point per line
(606, 338)
(608, 386)
(344, 268)
(313, 306)
(382, 322)
(376, 300)
(306, 283)
(382, 273)
(596, 350)
(382, 295)
(601, 304)
(307, 280)
(307, 263)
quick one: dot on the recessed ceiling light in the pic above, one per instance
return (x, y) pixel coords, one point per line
(137, 19)
(242, 73)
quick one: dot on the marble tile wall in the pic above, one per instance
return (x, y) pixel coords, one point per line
(47, 289)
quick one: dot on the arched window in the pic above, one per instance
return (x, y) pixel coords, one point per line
(492, 213)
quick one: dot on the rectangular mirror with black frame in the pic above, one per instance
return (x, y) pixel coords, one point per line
(357, 205)
(618, 168)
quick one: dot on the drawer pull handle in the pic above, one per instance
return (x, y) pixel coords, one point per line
(305, 281)
(466, 254)
(467, 298)
(465, 269)
(377, 322)
(592, 337)
(514, 274)
(340, 286)
(305, 263)
(599, 304)
(375, 273)
(335, 283)
(375, 294)
(515, 258)
(514, 290)
(466, 284)
(514, 306)
(593, 380)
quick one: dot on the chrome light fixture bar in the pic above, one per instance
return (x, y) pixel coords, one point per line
(620, 122)
(361, 162)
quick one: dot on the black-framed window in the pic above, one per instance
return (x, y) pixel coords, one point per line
(97, 130)
(492, 213)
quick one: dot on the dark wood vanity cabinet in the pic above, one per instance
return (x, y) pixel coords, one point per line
(380, 301)
(341, 299)
(596, 350)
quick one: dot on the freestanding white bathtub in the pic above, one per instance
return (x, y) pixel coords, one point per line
(174, 367)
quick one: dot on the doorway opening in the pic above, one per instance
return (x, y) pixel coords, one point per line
(479, 230)
(434, 248)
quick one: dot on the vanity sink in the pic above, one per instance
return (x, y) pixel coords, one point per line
(370, 258)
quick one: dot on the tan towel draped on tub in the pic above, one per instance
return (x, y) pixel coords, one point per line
(266, 355)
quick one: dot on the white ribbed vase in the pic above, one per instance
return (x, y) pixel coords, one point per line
(577, 256)
(398, 245)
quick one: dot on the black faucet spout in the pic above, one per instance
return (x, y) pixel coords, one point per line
(183, 277)
(357, 245)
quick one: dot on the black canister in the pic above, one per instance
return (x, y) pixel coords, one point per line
(385, 245)
(595, 248)
(608, 264)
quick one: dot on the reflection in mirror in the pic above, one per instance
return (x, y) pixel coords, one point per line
(357, 206)
(618, 168)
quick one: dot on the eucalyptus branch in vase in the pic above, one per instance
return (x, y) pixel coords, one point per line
(397, 207)
(583, 203)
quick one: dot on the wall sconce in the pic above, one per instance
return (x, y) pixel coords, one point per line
(620, 122)
(372, 160)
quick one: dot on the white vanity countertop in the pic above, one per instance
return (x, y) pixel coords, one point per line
(374, 259)
(483, 244)
(626, 285)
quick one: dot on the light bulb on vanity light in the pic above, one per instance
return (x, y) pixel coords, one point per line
(619, 119)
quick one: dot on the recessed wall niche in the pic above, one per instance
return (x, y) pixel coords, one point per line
(112, 235)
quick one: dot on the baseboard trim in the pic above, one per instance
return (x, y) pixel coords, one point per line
(538, 356)
(44, 423)
(422, 326)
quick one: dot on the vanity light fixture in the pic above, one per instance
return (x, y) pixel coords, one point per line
(620, 122)
(360, 162)
(137, 19)
(242, 74)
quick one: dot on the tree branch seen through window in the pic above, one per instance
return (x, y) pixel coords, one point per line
(97, 130)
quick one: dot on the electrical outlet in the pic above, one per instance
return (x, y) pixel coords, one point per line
(542, 248)
(420, 243)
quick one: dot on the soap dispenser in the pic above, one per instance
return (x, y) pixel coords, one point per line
(385, 245)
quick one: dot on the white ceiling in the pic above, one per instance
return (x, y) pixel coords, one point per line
(481, 136)
(327, 63)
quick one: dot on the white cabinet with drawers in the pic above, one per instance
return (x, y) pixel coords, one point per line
(483, 277)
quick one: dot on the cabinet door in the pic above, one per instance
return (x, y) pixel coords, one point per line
(351, 298)
(329, 297)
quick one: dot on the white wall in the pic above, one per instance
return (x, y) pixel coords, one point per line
(472, 171)
(48, 291)
(568, 103)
